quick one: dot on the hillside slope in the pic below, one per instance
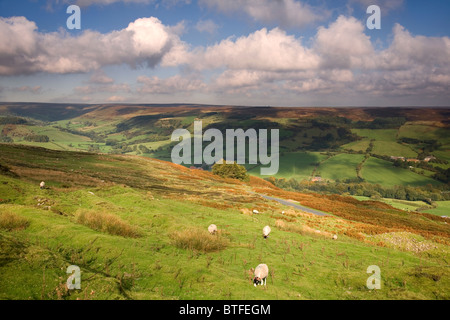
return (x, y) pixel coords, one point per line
(137, 228)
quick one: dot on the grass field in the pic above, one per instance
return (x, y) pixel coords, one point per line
(383, 172)
(360, 145)
(424, 132)
(442, 208)
(399, 204)
(385, 142)
(146, 236)
(377, 134)
(443, 152)
(297, 165)
(341, 166)
(389, 148)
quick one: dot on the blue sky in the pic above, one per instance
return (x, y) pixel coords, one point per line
(246, 52)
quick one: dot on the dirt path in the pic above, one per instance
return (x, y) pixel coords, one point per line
(296, 206)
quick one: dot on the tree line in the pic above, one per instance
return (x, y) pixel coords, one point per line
(354, 187)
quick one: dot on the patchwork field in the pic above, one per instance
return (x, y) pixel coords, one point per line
(297, 165)
(340, 167)
(378, 171)
(307, 135)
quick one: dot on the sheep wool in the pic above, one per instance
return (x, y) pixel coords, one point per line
(42, 185)
(212, 229)
(266, 231)
(261, 273)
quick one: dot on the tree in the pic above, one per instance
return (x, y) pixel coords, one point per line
(234, 171)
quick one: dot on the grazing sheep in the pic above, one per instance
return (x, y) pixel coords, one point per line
(335, 237)
(261, 273)
(266, 231)
(255, 211)
(212, 229)
(42, 185)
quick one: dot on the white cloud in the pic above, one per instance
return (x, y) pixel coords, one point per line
(272, 50)
(34, 89)
(207, 26)
(91, 89)
(344, 45)
(285, 13)
(116, 99)
(408, 51)
(175, 84)
(341, 60)
(24, 50)
(100, 77)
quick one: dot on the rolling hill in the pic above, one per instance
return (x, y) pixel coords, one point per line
(137, 229)
(307, 135)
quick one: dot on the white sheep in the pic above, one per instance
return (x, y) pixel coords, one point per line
(42, 185)
(212, 229)
(261, 273)
(335, 237)
(255, 211)
(266, 231)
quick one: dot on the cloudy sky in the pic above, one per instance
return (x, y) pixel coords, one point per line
(239, 52)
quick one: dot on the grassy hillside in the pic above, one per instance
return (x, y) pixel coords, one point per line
(379, 171)
(341, 166)
(297, 165)
(137, 228)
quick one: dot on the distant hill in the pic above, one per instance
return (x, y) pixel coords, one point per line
(333, 144)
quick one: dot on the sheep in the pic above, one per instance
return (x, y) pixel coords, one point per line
(335, 237)
(42, 185)
(266, 231)
(255, 211)
(212, 229)
(261, 273)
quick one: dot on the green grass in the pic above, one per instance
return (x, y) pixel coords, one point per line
(399, 204)
(383, 172)
(424, 132)
(385, 142)
(57, 135)
(342, 166)
(443, 153)
(11, 221)
(377, 134)
(389, 148)
(174, 256)
(297, 165)
(158, 268)
(360, 145)
(442, 208)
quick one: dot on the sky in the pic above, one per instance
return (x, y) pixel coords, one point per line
(234, 52)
